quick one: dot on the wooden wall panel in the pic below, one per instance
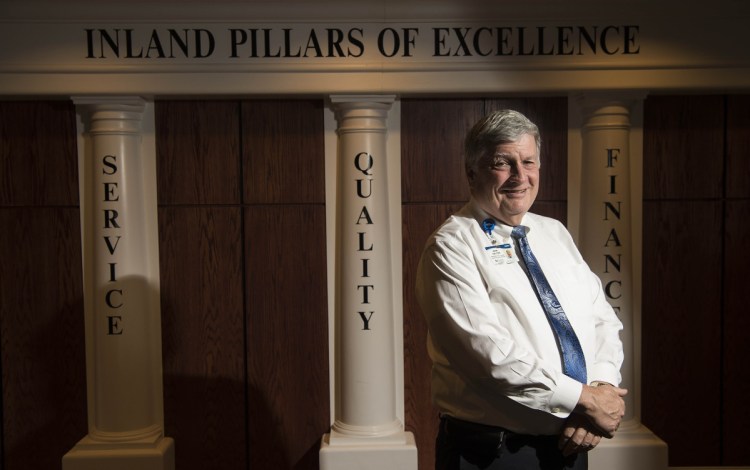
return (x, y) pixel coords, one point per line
(684, 137)
(736, 327)
(419, 221)
(432, 148)
(738, 146)
(198, 147)
(283, 152)
(287, 335)
(203, 336)
(38, 159)
(41, 336)
(681, 342)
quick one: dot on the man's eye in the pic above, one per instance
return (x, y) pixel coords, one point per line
(529, 163)
(500, 164)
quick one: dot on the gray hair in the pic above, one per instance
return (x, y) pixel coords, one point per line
(500, 127)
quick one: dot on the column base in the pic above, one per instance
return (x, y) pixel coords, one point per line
(396, 452)
(635, 447)
(89, 454)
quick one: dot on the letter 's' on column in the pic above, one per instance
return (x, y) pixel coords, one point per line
(366, 431)
(121, 290)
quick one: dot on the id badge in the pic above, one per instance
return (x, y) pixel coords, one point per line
(502, 253)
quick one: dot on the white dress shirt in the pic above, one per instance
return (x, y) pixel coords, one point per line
(495, 357)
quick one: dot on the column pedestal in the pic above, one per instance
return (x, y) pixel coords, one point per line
(367, 431)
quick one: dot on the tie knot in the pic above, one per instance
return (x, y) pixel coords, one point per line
(519, 231)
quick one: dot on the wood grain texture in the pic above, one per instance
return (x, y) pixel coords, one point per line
(738, 146)
(432, 148)
(683, 143)
(203, 338)
(41, 336)
(283, 155)
(198, 152)
(38, 159)
(287, 335)
(681, 340)
(419, 221)
(736, 327)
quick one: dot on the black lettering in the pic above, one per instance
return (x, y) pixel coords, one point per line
(335, 37)
(360, 193)
(110, 162)
(395, 42)
(312, 43)
(439, 42)
(461, 35)
(365, 320)
(610, 259)
(609, 207)
(366, 292)
(365, 270)
(613, 238)
(362, 242)
(629, 35)
(356, 42)
(114, 327)
(603, 40)
(563, 40)
(364, 214)
(370, 163)
(182, 42)
(110, 246)
(129, 46)
(608, 289)
(239, 37)
(109, 192)
(155, 44)
(112, 276)
(200, 53)
(108, 298)
(110, 218)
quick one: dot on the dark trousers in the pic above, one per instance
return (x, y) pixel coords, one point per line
(469, 446)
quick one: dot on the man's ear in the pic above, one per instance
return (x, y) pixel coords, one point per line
(470, 175)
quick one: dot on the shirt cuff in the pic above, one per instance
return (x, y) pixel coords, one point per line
(605, 373)
(564, 400)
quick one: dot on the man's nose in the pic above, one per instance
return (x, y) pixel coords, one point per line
(517, 171)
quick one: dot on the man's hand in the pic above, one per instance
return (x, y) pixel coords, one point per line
(579, 435)
(604, 407)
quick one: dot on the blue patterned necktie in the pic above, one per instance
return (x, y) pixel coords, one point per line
(574, 364)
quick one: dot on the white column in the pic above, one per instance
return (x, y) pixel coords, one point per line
(117, 171)
(367, 432)
(609, 233)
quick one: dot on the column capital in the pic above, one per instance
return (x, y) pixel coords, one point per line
(111, 114)
(361, 113)
(595, 105)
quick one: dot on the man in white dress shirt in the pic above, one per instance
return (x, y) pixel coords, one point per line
(498, 376)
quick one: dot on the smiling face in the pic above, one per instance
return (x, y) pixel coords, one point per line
(505, 183)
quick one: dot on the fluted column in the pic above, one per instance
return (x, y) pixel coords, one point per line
(366, 432)
(607, 237)
(121, 290)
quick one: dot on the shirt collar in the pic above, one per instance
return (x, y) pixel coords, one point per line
(501, 227)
